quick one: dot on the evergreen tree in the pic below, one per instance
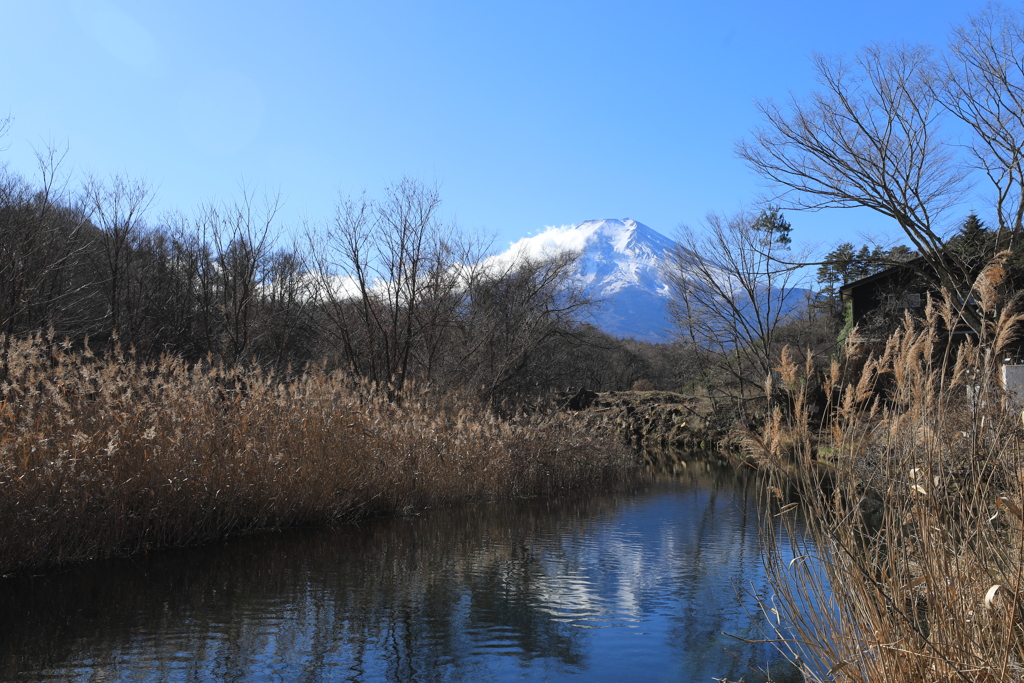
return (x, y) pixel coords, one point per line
(834, 272)
(846, 264)
(974, 244)
(775, 227)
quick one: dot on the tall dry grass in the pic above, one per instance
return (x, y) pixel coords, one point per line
(102, 456)
(901, 555)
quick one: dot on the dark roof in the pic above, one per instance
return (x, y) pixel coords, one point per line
(880, 275)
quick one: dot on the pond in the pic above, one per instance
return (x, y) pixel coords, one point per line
(638, 584)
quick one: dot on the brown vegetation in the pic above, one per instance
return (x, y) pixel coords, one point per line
(107, 455)
(659, 420)
(902, 557)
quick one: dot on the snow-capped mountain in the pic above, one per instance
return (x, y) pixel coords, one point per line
(621, 266)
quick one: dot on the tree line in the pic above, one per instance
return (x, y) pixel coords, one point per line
(385, 290)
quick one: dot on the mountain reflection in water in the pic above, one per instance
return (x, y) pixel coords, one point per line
(635, 585)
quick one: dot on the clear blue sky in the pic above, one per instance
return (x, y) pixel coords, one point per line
(527, 114)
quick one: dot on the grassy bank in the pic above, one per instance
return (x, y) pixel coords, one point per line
(107, 456)
(903, 555)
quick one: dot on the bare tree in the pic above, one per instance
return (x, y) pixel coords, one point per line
(193, 321)
(444, 305)
(162, 312)
(41, 242)
(286, 322)
(378, 266)
(732, 288)
(908, 135)
(243, 242)
(117, 208)
(522, 316)
(403, 296)
(982, 86)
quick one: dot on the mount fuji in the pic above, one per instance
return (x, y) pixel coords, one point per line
(620, 266)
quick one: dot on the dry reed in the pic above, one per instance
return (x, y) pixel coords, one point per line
(901, 551)
(107, 456)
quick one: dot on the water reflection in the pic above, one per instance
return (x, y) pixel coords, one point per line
(637, 584)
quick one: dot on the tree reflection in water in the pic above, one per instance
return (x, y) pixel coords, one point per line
(636, 584)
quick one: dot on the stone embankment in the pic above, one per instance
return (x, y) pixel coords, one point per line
(656, 422)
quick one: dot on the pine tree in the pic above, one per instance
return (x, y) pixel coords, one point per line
(775, 227)
(973, 242)
(846, 264)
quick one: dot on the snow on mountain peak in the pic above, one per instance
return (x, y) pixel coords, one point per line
(624, 236)
(620, 265)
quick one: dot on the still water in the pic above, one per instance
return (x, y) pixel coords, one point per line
(633, 585)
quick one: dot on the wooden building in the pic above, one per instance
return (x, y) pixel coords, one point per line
(876, 304)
